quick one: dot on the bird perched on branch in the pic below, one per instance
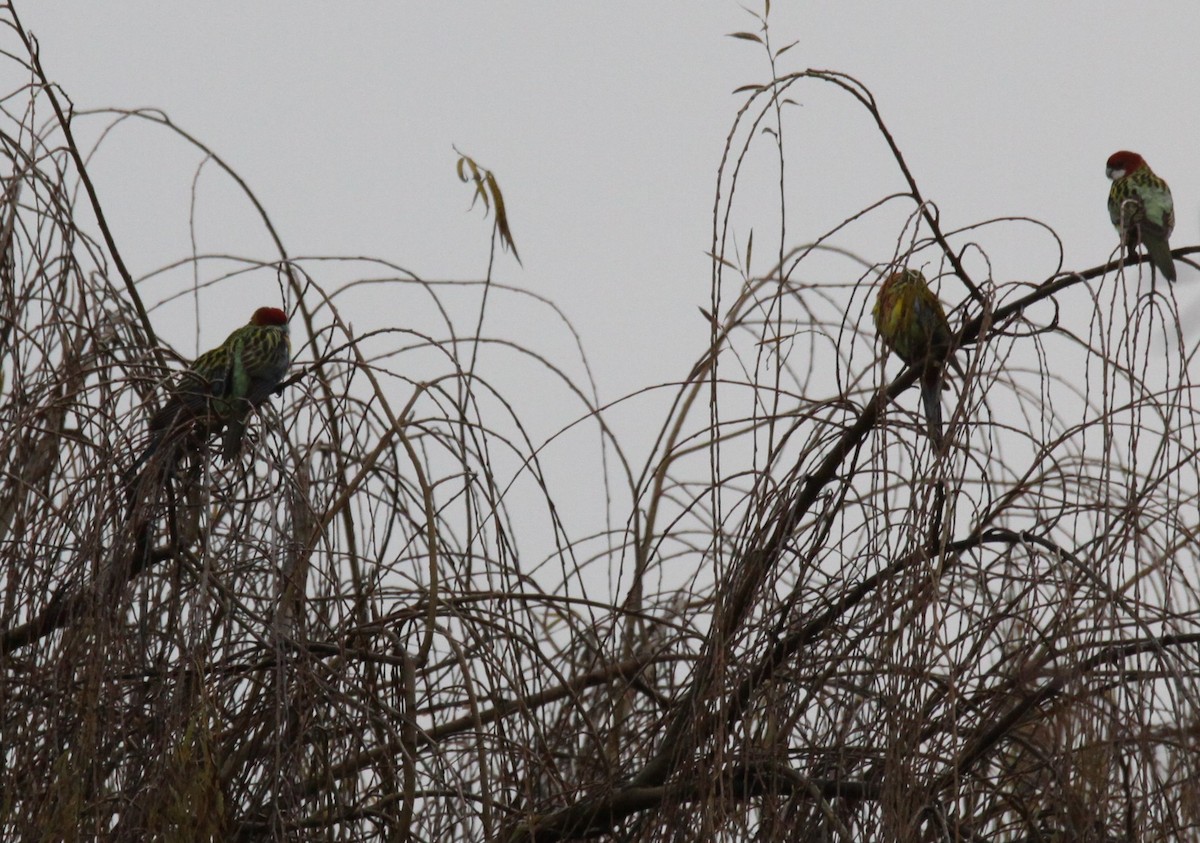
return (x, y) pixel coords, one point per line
(224, 384)
(912, 324)
(1140, 206)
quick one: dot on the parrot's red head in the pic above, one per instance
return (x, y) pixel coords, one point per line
(268, 316)
(1121, 164)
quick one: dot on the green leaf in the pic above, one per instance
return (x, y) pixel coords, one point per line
(746, 36)
(502, 228)
(487, 190)
(721, 261)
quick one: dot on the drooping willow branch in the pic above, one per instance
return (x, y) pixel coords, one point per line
(692, 723)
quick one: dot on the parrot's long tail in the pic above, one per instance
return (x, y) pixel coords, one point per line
(231, 442)
(931, 398)
(1160, 255)
(235, 429)
(161, 424)
(156, 440)
(133, 474)
(172, 430)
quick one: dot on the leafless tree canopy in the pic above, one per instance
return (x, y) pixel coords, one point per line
(789, 618)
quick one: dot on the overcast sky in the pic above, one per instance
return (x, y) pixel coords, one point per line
(605, 123)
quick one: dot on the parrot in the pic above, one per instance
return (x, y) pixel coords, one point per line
(912, 324)
(224, 384)
(1141, 208)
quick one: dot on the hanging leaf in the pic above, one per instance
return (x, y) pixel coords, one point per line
(746, 36)
(721, 261)
(506, 237)
(487, 190)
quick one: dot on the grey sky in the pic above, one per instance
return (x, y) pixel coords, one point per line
(605, 124)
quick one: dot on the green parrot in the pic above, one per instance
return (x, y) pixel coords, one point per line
(912, 324)
(224, 384)
(1140, 206)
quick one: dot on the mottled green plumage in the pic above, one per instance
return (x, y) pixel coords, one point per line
(224, 384)
(912, 324)
(1141, 208)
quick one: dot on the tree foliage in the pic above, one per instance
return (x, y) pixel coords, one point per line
(798, 619)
